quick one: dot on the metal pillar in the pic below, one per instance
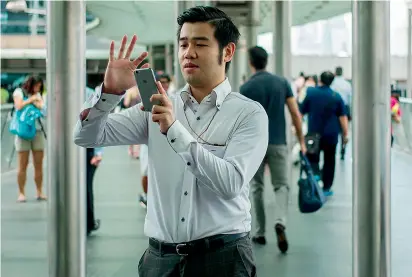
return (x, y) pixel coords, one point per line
(66, 84)
(34, 22)
(282, 38)
(180, 6)
(371, 139)
(235, 71)
(168, 59)
(251, 30)
(151, 58)
(281, 46)
(409, 57)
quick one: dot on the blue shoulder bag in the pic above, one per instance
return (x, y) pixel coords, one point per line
(23, 123)
(311, 197)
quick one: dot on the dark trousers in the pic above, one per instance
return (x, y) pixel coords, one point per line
(329, 160)
(233, 260)
(90, 169)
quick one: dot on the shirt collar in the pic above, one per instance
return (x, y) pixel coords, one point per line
(217, 96)
(257, 73)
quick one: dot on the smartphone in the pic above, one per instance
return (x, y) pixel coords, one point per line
(146, 83)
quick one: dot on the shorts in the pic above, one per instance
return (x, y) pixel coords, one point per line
(37, 144)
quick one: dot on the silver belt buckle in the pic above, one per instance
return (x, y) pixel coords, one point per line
(178, 247)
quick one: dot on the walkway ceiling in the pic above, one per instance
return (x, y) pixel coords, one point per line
(154, 21)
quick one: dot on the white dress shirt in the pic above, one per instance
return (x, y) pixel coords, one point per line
(199, 172)
(343, 87)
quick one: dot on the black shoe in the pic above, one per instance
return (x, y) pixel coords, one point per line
(95, 227)
(281, 236)
(259, 240)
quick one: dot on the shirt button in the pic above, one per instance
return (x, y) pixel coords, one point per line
(183, 219)
(188, 163)
(172, 140)
(185, 192)
(198, 118)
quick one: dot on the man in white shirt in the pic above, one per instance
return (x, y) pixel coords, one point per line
(344, 88)
(205, 144)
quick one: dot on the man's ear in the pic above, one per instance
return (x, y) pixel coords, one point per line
(228, 52)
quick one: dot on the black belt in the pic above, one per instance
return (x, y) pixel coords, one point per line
(196, 246)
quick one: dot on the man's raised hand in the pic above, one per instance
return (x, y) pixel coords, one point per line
(119, 75)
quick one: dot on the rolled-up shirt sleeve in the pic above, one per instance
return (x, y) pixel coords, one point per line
(98, 127)
(243, 154)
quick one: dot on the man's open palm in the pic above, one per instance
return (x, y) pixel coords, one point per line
(119, 75)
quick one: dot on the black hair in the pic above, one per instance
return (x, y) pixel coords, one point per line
(315, 79)
(258, 57)
(339, 71)
(225, 30)
(29, 84)
(165, 76)
(327, 78)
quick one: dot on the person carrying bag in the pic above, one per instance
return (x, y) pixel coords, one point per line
(26, 124)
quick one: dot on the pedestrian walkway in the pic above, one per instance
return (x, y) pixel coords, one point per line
(320, 243)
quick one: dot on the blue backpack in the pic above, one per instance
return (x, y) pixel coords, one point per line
(23, 123)
(311, 197)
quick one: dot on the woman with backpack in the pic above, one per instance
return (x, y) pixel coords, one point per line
(30, 96)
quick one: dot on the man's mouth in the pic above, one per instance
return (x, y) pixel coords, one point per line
(190, 65)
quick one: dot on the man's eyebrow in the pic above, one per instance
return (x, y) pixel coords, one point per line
(193, 38)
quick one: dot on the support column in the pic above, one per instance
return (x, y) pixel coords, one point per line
(151, 58)
(34, 22)
(371, 139)
(168, 59)
(180, 6)
(251, 31)
(66, 84)
(409, 57)
(282, 57)
(235, 71)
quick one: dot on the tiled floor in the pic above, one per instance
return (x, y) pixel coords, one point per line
(320, 243)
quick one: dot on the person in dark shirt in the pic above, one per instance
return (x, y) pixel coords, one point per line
(272, 92)
(326, 117)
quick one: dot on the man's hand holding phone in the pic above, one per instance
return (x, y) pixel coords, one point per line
(162, 114)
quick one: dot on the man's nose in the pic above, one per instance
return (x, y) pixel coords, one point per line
(190, 52)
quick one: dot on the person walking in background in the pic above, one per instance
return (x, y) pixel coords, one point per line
(93, 159)
(131, 98)
(144, 165)
(396, 112)
(30, 94)
(165, 81)
(327, 119)
(344, 88)
(273, 93)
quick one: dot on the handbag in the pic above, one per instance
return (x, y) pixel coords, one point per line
(310, 197)
(312, 140)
